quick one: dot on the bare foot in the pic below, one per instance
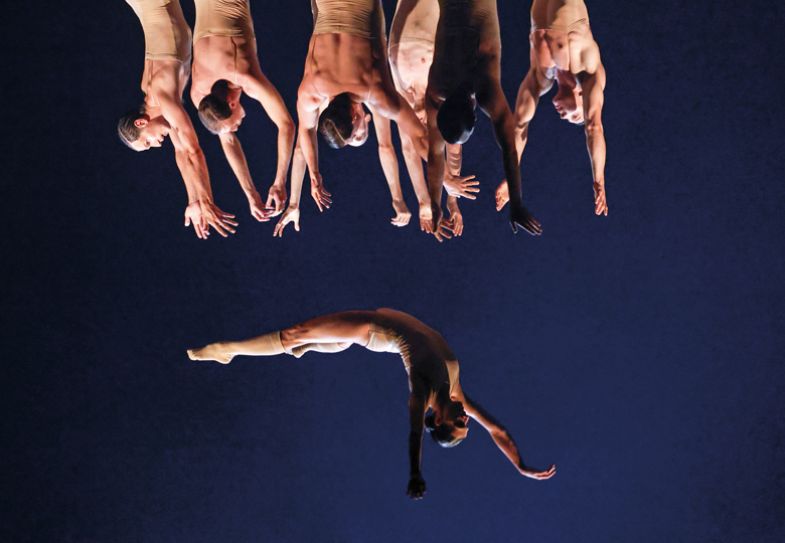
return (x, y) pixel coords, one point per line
(214, 352)
(502, 195)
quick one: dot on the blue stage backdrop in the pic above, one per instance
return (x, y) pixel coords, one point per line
(642, 353)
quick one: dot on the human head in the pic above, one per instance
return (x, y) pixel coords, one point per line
(456, 117)
(448, 424)
(221, 111)
(568, 100)
(140, 132)
(344, 122)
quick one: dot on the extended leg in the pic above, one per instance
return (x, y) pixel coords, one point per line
(340, 328)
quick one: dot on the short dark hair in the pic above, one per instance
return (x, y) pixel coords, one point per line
(214, 107)
(335, 122)
(126, 127)
(442, 434)
(456, 117)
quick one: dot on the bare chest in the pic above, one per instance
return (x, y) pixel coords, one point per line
(554, 50)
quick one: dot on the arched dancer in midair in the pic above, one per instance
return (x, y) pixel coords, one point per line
(430, 364)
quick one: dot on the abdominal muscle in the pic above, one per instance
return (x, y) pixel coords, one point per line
(559, 50)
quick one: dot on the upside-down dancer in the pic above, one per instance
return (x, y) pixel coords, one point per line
(167, 66)
(436, 400)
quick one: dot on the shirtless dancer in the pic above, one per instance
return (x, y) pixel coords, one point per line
(563, 50)
(347, 67)
(466, 71)
(412, 36)
(431, 366)
(387, 158)
(226, 65)
(167, 63)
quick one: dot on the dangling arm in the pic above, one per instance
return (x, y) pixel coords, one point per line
(492, 100)
(436, 165)
(416, 488)
(258, 87)
(504, 440)
(233, 151)
(292, 213)
(593, 100)
(389, 161)
(308, 116)
(201, 210)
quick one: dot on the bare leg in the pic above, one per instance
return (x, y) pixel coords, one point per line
(348, 327)
(298, 352)
(345, 327)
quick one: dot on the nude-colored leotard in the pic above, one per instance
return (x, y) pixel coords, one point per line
(355, 17)
(479, 15)
(562, 16)
(419, 25)
(166, 34)
(223, 18)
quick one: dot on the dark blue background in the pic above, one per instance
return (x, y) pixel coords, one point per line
(642, 353)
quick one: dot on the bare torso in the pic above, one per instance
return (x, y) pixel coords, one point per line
(340, 63)
(561, 38)
(221, 57)
(427, 355)
(163, 78)
(412, 38)
(167, 64)
(224, 45)
(468, 46)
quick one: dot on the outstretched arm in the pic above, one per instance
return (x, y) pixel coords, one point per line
(593, 100)
(258, 87)
(386, 100)
(494, 103)
(504, 441)
(436, 166)
(525, 106)
(416, 487)
(233, 150)
(308, 118)
(455, 184)
(414, 167)
(389, 162)
(201, 211)
(292, 213)
(413, 161)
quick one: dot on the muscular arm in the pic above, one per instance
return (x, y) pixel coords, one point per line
(292, 213)
(503, 440)
(436, 166)
(188, 154)
(389, 162)
(391, 105)
(593, 100)
(308, 118)
(201, 211)
(233, 150)
(493, 102)
(413, 163)
(258, 87)
(416, 487)
(525, 106)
